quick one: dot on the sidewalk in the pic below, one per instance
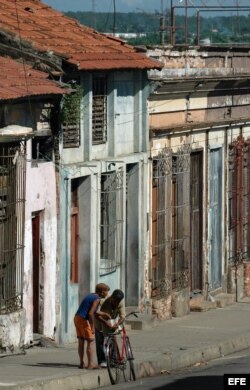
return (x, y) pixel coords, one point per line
(173, 344)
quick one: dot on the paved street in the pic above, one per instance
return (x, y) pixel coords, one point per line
(205, 376)
(188, 341)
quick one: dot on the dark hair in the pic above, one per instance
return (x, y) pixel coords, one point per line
(118, 295)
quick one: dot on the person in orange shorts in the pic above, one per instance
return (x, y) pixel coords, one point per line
(84, 323)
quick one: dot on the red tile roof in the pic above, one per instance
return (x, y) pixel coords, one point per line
(20, 80)
(50, 30)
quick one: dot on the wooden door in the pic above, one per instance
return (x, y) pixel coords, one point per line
(196, 187)
(215, 219)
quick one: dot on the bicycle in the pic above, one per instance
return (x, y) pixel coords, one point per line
(119, 356)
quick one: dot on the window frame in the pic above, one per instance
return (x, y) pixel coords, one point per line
(99, 109)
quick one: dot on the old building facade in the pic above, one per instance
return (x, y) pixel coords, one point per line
(199, 134)
(155, 205)
(26, 188)
(86, 197)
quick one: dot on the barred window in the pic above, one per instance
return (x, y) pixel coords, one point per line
(111, 221)
(71, 115)
(99, 110)
(181, 217)
(161, 222)
(238, 199)
(12, 201)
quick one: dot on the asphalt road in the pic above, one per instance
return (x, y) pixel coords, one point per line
(206, 377)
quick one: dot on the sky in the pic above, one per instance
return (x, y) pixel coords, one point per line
(105, 5)
(133, 5)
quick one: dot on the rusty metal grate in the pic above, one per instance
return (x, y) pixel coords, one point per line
(181, 279)
(12, 201)
(99, 110)
(161, 219)
(99, 119)
(71, 135)
(180, 213)
(238, 197)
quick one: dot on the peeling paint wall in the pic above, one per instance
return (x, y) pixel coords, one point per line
(125, 154)
(201, 97)
(216, 139)
(40, 198)
(201, 62)
(12, 328)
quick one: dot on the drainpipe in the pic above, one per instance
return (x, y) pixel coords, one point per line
(225, 203)
(66, 258)
(237, 262)
(206, 215)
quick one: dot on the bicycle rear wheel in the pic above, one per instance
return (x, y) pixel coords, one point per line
(129, 371)
(113, 358)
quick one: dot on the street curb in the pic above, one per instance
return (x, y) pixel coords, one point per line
(168, 363)
(85, 381)
(185, 359)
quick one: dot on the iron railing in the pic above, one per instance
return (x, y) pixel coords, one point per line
(111, 229)
(12, 201)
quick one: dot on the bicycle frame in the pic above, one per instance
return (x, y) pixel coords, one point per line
(124, 347)
(119, 356)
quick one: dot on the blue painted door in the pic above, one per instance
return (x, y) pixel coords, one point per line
(215, 219)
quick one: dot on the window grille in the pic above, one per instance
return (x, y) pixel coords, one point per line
(161, 223)
(238, 199)
(181, 217)
(12, 201)
(71, 116)
(111, 229)
(246, 206)
(71, 135)
(99, 110)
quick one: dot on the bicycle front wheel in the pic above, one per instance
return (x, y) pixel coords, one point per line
(113, 359)
(130, 369)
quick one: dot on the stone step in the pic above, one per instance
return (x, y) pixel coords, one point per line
(200, 304)
(142, 322)
(42, 341)
(223, 299)
(145, 320)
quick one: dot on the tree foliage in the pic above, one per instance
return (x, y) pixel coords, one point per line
(218, 29)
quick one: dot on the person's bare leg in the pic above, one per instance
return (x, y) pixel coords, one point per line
(81, 352)
(90, 354)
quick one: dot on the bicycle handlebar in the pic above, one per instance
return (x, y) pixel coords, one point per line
(132, 313)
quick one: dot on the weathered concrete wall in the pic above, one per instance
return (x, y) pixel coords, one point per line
(12, 330)
(180, 302)
(204, 140)
(201, 98)
(134, 205)
(40, 198)
(126, 118)
(161, 308)
(194, 87)
(200, 62)
(246, 266)
(236, 281)
(171, 119)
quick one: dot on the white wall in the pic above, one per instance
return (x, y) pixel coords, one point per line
(40, 196)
